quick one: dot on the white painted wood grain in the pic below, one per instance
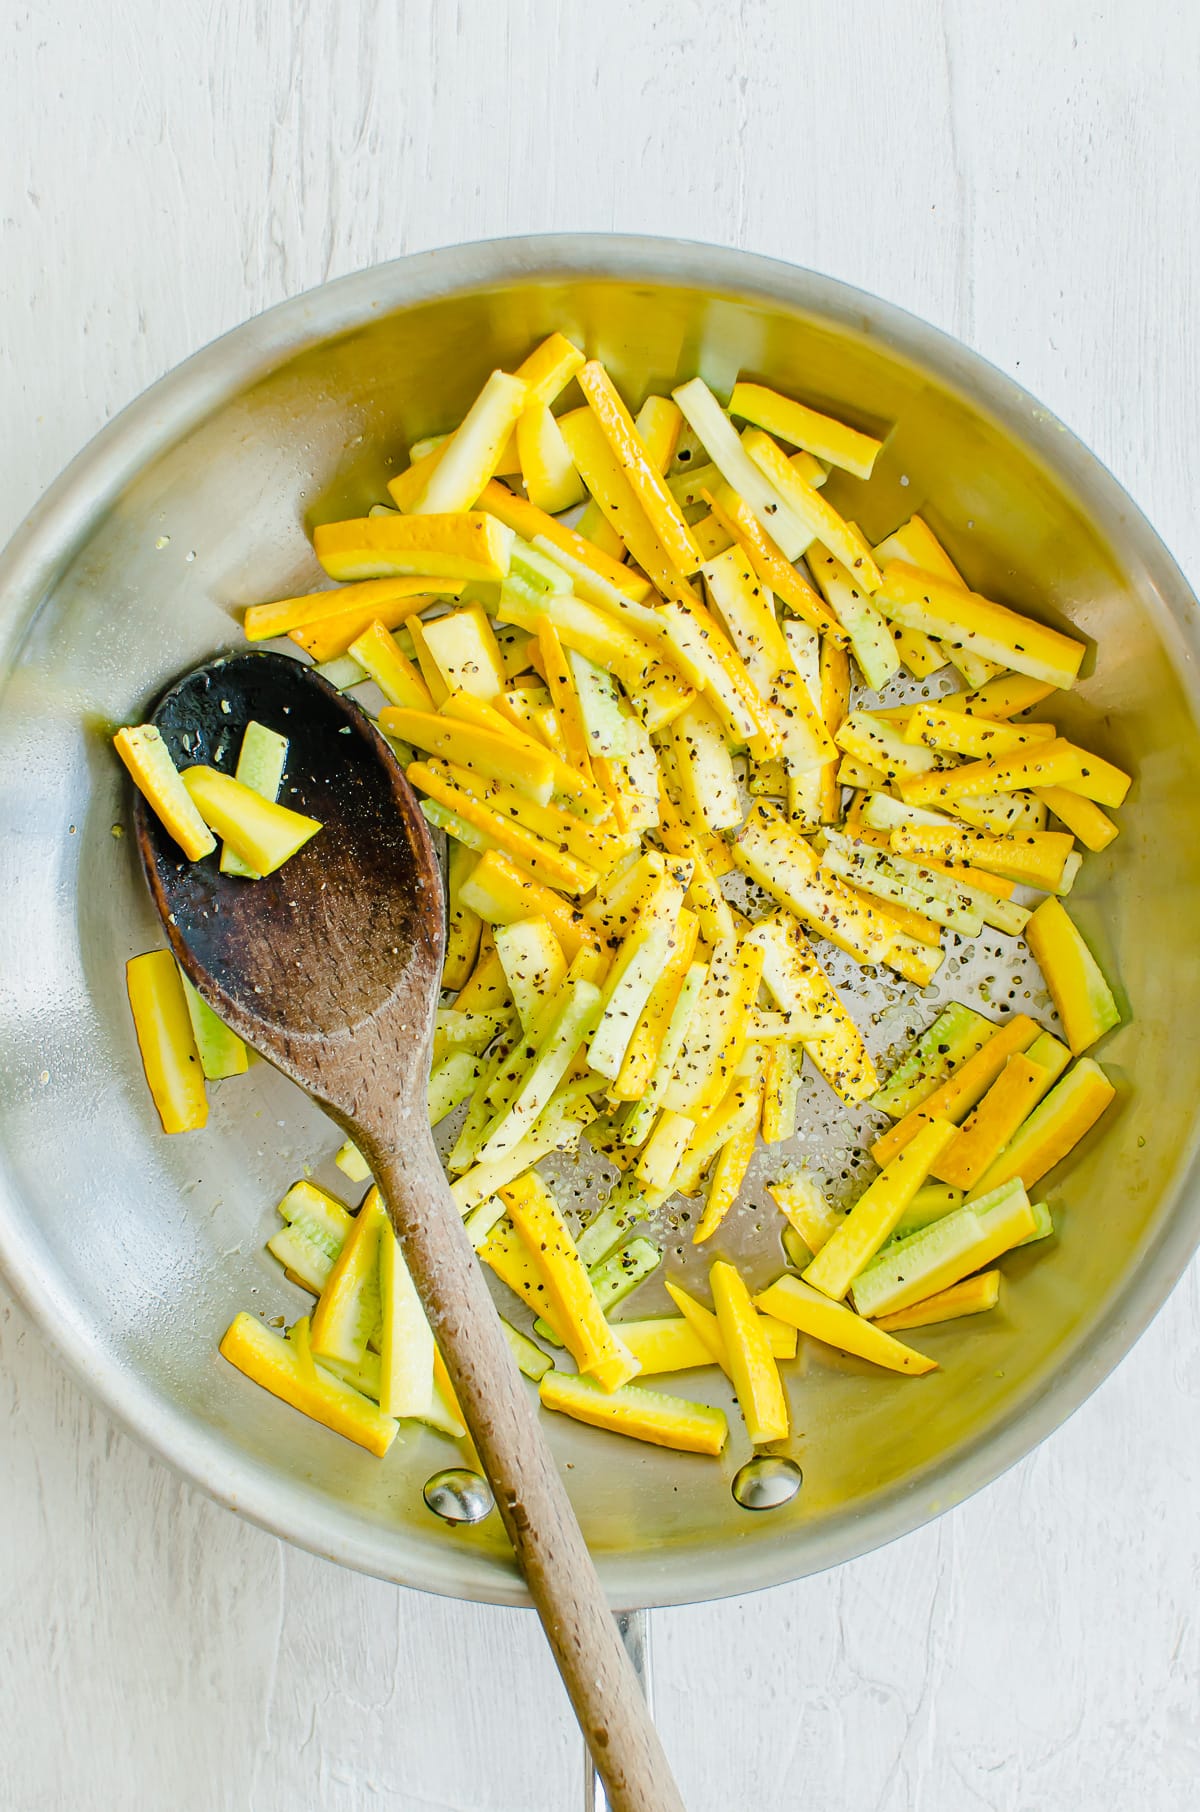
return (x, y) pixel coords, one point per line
(1024, 176)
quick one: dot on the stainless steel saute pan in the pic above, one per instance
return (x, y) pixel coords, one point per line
(132, 1251)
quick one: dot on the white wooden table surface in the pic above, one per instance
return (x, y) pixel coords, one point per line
(1025, 176)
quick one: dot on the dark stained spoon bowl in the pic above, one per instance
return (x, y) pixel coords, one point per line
(330, 969)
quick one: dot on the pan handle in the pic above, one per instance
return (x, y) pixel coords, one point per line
(634, 1629)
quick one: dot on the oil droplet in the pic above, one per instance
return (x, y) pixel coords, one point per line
(163, 541)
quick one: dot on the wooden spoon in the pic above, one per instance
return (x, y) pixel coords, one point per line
(330, 968)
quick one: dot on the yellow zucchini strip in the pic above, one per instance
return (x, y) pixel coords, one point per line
(575, 1312)
(729, 1173)
(407, 596)
(940, 608)
(537, 858)
(1082, 816)
(1030, 858)
(529, 522)
(1053, 1129)
(664, 1343)
(469, 458)
(973, 1296)
(509, 1256)
(803, 1204)
(640, 469)
(330, 638)
(465, 545)
(610, 486)
(952, 732)
(752, 1366)
(582, 798)
(484, 751)
(719, 1032)
(559, 677)
(1003, 697)
(286, 1369)
(821, 435)
(1055, 763)
(1077, 986)
(778, 575)
(347, 1312)
(498, 891)
(1008, 1103)
(464, 928)
(807, 505)
(406, 1345)
(166, 1041)
(156, 777)
(790, 1299)
(954, 1098)
(781, 1337)
(874, 1216)
(549, 368)
(377, 654)
(916, 544)
(641, 1053)
(262, 833)
(645, 1415)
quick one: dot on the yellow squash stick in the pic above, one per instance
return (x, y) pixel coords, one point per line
(742, 527)
(166, 1041)
(808, 506)
(781, 1337)
(155, 775)
(790, 1299)
(1077, 986)
(459, 546)
(874, 1216)
(549, 368)
(576, 1313)
(518, 514)
(803, 1204)
(973, 1296)
(540, 860)
(403, 597)
(1053, 1129)
(963, 618)
(489, 752)
(800, 426)
(378, 655)
(582, 798)
(1012, 1097)
(406, 1349)
(518, 1265)
(959, 1093)
(286, 1368)
(498, 891)
(1032, 858)
(345, 1317)
(729, 1173)
(265, 835)
(470, 457)
(646, 1415)
(640, 470)
(331, 636)
(752, 1365)
(610, 486)
(641, 1053)
(1093, 828)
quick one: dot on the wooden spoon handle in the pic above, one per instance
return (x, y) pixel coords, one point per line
(530, 1495)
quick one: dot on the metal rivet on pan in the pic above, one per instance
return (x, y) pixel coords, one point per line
(765, 1482)
(458, 1495)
